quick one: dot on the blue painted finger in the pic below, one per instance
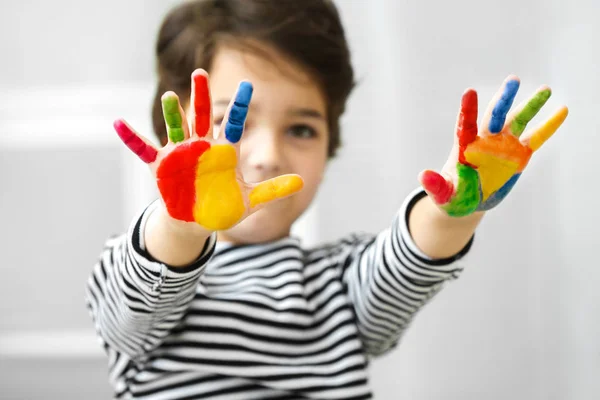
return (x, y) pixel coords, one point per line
(503, 106)
(238, 113)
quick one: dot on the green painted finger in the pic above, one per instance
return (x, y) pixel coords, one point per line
(173, 119)
(467, 196)
(533, 106)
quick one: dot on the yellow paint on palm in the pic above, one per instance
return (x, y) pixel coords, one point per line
(497, 158)
(493, 171)
(275, 188)
(219, 202)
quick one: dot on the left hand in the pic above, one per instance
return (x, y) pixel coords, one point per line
(484, 165)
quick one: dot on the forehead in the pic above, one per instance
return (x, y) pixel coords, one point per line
(277, 82)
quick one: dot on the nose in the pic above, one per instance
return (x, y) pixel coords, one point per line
(264, 150)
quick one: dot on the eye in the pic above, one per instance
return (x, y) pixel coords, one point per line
(301, 131)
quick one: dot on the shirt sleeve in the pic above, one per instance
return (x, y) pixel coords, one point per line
(388, 279)
(133, 299)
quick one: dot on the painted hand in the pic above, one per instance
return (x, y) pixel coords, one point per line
(198, 175)
(484, 166)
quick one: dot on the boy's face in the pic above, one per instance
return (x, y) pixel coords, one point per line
(286, 132)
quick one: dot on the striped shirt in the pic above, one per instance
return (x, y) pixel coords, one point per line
(260, 321)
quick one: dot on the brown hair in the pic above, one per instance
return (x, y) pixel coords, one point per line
(309, 32)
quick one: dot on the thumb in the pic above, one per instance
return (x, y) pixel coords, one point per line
(437, 187)
(274, 189)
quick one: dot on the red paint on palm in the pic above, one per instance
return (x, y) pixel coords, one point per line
(201, 104)
(176, 176)
(437, 186)
(467, 124)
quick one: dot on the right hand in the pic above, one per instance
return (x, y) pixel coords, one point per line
(197, 175)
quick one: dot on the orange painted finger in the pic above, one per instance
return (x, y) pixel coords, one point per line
(274, 189)
(541, 134)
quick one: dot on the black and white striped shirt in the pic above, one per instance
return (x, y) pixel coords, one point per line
(266, 321)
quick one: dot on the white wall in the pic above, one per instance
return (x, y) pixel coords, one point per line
(523, 321)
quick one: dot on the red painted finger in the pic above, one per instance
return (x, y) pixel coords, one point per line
(145, 151)
(466, 126)
(437, 186)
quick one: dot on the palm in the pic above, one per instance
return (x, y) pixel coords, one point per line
(198, 176)
(486, 164)
(197, 182)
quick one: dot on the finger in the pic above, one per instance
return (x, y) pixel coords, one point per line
(466, 125)
(177, 129)
(237, 112)
(495, 115)
(538, 136)
(437, 187)
(519, 118)
(201, 104)
(274, 189)
(135, 142)
(184, 123)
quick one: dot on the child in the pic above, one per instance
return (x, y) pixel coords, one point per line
(206, 295)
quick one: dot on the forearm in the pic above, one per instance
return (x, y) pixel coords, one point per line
(174, 243)
(437, 234)
(135, 300)
(389, 278)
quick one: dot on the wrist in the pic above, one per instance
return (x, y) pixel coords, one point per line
(160, 217)
(441, 217)
(437, 234)
(172, 242)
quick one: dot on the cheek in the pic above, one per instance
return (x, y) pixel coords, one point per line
(245, 147)
(312, 171)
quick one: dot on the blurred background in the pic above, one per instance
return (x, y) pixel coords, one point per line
(522, 322)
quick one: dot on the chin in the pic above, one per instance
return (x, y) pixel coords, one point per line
(269, 224)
